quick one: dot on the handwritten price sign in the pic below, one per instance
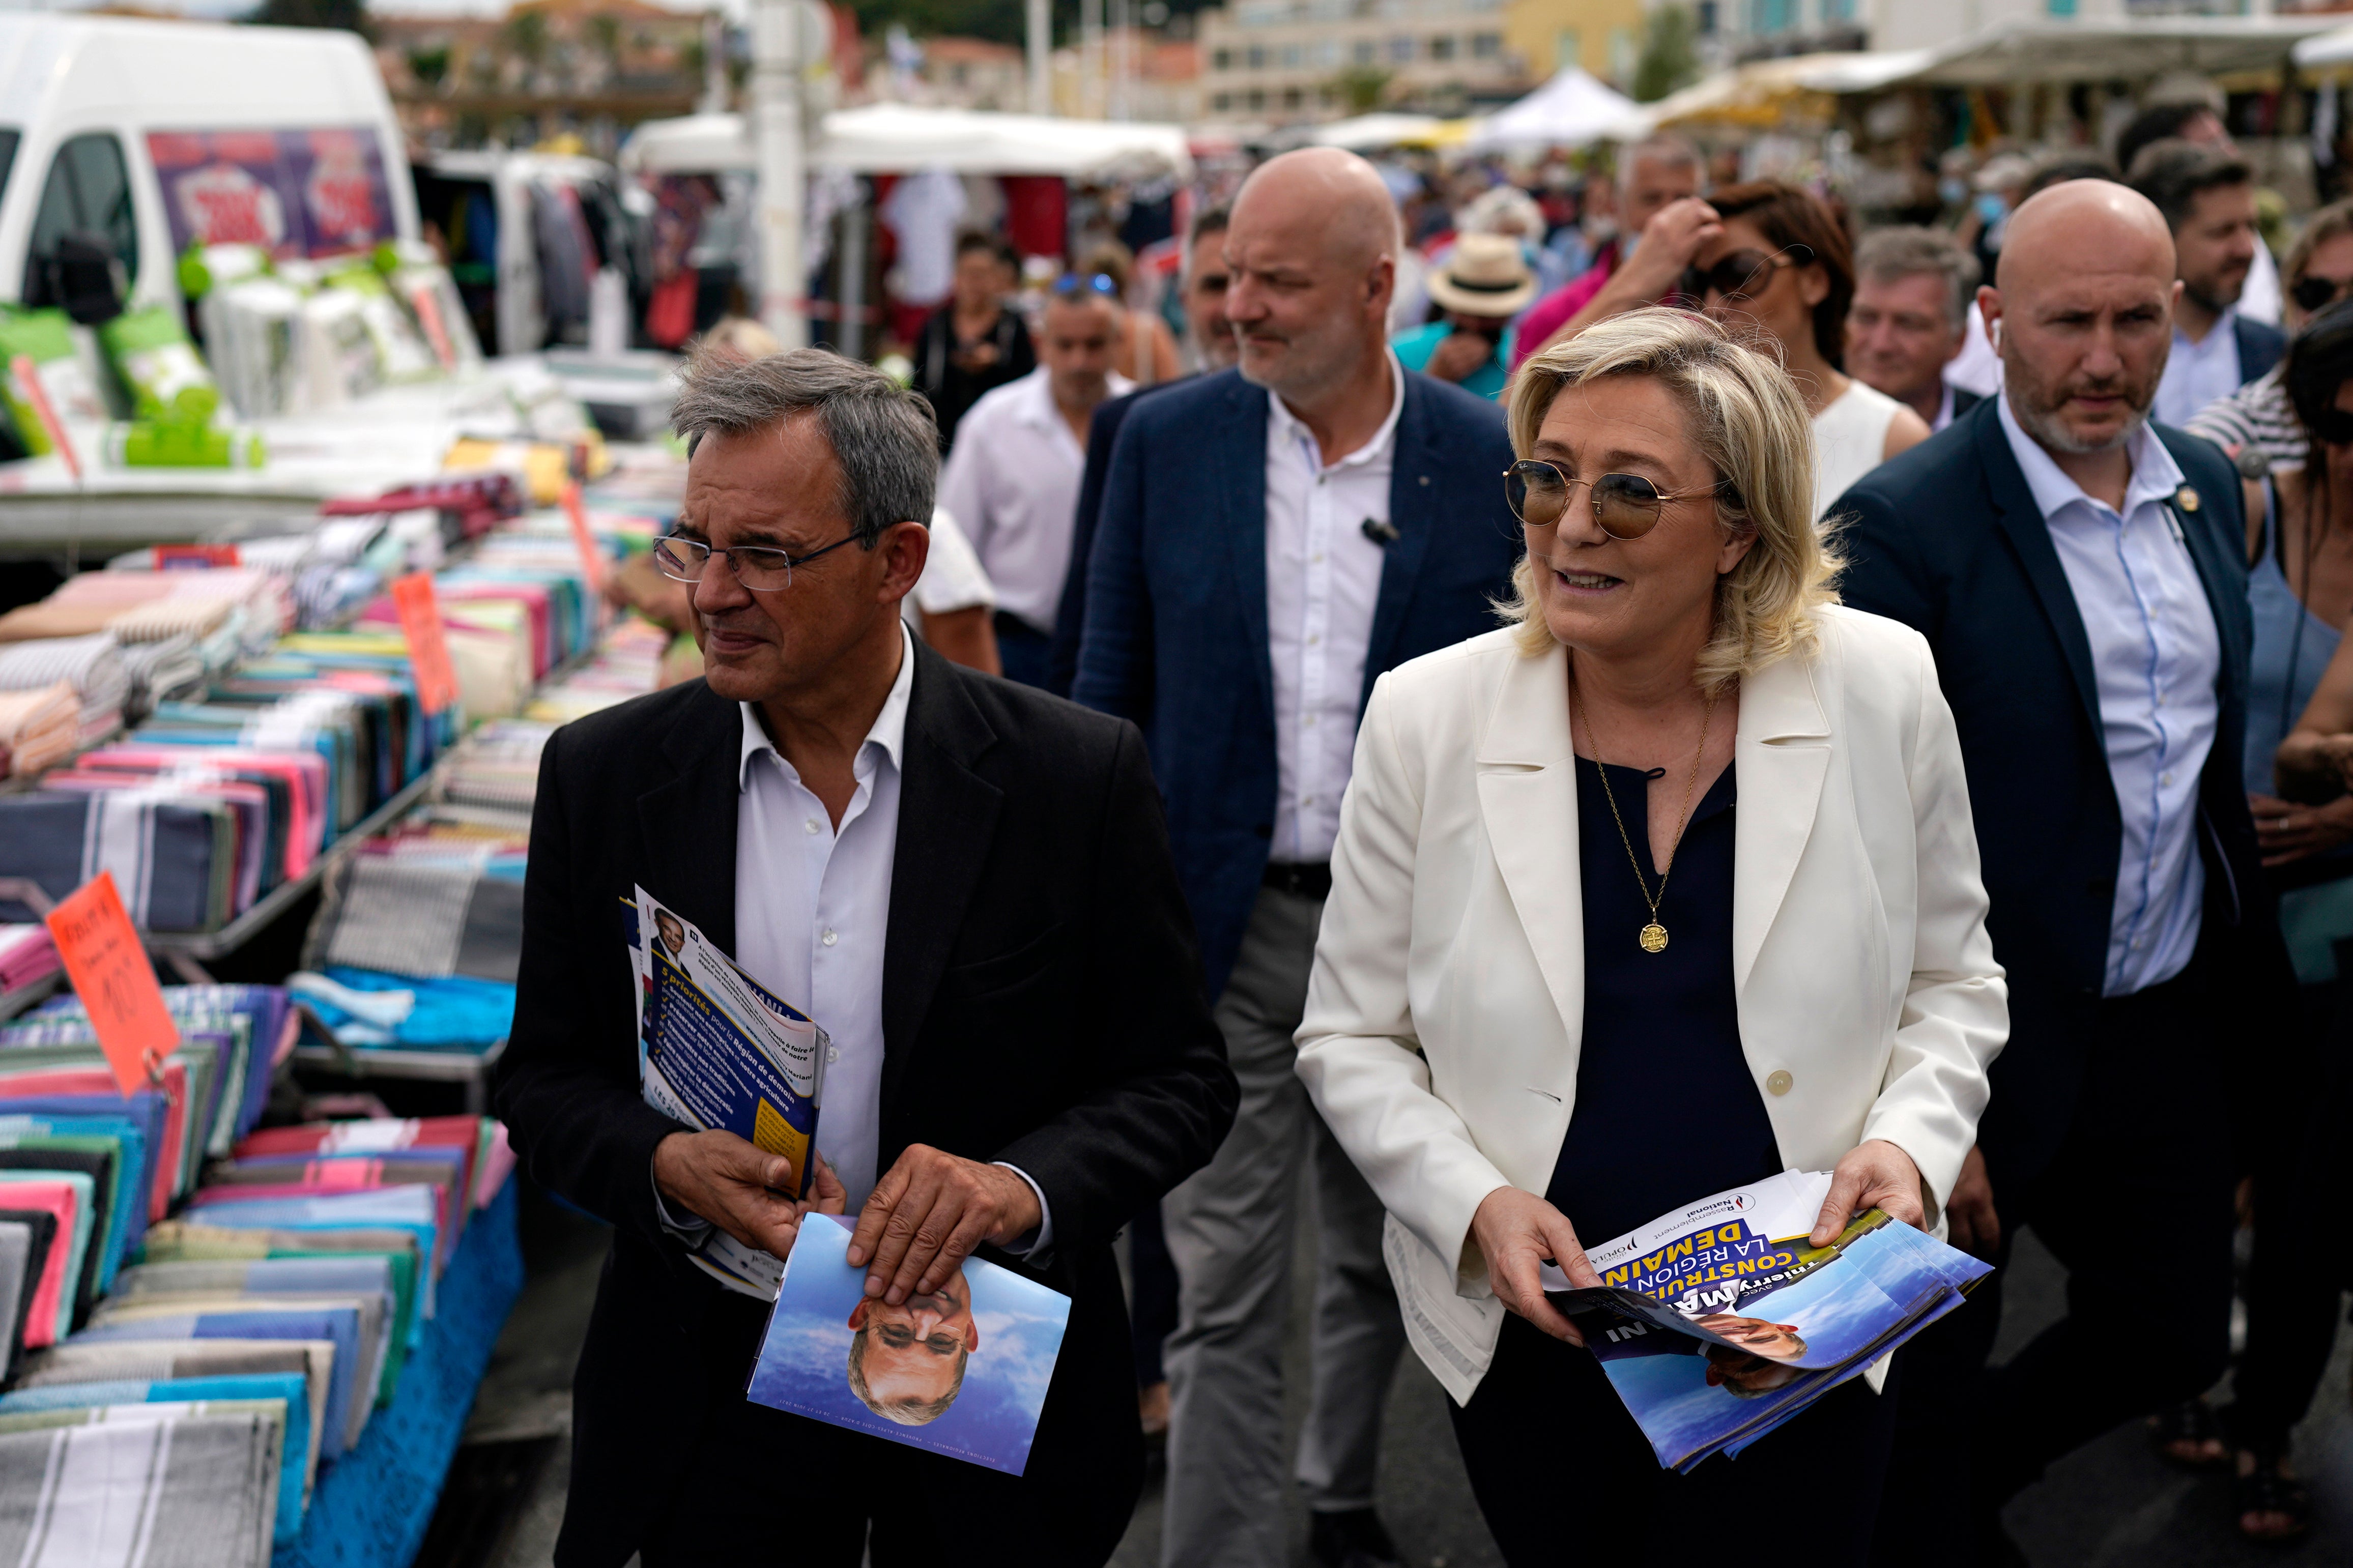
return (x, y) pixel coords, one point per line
(428, 645)
(108, 965)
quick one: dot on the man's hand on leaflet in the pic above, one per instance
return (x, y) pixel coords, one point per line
(739, 1188)
(927, 1213)
(1873, 1175)
(1517, 1233)
(1976, 1226)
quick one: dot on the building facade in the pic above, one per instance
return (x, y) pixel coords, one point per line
(1603, 36)
(1317, 59)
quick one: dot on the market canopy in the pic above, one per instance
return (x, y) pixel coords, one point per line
(2333, 48)
(897, 138)
(1571, 108)
(2013, 53)
(1370, 133)
(1759, 92)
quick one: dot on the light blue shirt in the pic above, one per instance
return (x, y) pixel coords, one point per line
(2156, 657)
(2199, 374)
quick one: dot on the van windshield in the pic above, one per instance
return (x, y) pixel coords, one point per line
(9, 137)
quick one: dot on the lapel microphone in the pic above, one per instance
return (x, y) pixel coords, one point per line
(1381, 533)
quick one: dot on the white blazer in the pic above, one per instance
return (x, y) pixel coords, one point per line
(1440, 1037)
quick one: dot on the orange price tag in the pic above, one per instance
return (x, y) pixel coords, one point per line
(592, 559)
(108, 965)
(429, 648)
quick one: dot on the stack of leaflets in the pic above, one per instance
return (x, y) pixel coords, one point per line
(1719, 1322)
(718, 1052)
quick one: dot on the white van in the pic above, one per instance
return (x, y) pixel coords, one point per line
(150, 135)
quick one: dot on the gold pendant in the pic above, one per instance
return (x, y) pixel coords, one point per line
(1654, 937)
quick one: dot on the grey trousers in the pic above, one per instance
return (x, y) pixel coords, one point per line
(1231, 1230)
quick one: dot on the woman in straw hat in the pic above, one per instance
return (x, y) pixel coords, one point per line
(1482, 286)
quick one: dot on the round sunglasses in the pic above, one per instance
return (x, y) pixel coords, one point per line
(1625, 506)
(1734, 276)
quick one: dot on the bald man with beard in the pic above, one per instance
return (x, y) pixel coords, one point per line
(1272, 539)
(2079, 572)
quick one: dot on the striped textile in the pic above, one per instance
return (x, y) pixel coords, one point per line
(172, 1490)
(40, 729)
(91, 665)
(2257, 416)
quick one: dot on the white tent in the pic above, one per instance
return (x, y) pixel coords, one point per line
(1370, 133)
(2333, 48)
(1570, 110)
(897, 138)
(1754, 93)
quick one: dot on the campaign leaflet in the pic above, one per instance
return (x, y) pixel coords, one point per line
(1719, 1322)
(962, 1371)
(717, 1051)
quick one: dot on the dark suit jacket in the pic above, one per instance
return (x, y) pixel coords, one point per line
(1964, 400)
(1041, 1005)
(1103, 433)
(1175, 632)
(2261, 345)
(1947, 539)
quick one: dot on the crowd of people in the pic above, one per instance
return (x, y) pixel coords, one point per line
(1462, 785)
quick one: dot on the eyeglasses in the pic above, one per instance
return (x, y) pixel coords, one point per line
(1626, 506)
(2313, 293)
(1071, 283)
(761, 568)
(1735, 276)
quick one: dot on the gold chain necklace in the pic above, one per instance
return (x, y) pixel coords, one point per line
(1653, 936)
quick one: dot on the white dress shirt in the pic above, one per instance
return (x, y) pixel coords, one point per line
(1944, 409)
(2196, 373)
(1323, 576)
(1012, 481)
(813, 916)
(2156, 655)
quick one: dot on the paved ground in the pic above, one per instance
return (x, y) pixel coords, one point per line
(2111, 1505)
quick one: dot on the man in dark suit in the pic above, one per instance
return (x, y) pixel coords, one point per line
(2079, 572)
(968, 885)
(2207, 197)
(1271, 540)
(1205, 283)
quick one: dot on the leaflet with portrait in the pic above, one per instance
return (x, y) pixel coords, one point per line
(1717, 1323)
(961, 1371)
(717, 1051)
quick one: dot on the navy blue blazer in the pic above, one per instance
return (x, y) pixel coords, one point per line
(1947, 538)
(2261, 347)
(1175, 634)
(1070, 617)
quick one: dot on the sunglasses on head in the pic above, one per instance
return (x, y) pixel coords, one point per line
(2311, 293)
(1743, 272)
(1625, 506)
(1072, 283)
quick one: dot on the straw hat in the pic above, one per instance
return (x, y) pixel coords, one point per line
(1486, 276)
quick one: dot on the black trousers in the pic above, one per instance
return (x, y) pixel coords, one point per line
(2293, 1287)
(766, 1487)
(2138, 1207)
(1152, 1279)
(1564, 1476)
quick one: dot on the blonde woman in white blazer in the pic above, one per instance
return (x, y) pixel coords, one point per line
(1547, 988)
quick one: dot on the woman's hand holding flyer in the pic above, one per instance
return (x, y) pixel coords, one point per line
(1528, 1243)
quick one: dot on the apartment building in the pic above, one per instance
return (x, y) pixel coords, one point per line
(1292, 59)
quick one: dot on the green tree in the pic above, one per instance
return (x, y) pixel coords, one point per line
(430, 66)
(351, 16)
(604, 31)
(1361, 89)
(1670, 57)
(525, 37)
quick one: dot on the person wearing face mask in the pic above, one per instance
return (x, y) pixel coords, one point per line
(2208, 198)
(1779, 263)
(2258, 418)
(2079, 573)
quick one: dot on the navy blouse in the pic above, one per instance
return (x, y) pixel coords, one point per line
(1667, 1111)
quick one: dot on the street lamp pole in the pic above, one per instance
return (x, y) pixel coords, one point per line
(776, 109)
